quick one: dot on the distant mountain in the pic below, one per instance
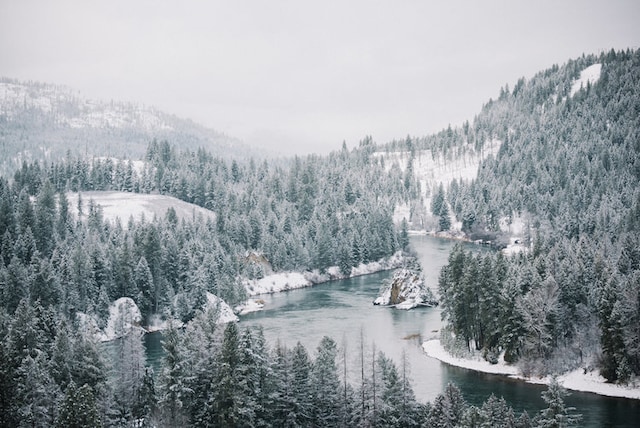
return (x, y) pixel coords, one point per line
(45, 121)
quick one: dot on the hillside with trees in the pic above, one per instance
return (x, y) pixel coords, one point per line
(567, 160)
(45, 122)
(570, 163)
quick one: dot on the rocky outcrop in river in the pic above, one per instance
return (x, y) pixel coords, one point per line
(406, 290)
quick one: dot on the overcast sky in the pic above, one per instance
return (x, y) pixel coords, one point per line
(302, 76)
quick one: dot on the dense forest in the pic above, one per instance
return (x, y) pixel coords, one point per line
(569, 162)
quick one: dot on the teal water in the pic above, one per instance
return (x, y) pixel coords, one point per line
(344, 311)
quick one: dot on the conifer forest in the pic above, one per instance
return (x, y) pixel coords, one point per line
(568, 164)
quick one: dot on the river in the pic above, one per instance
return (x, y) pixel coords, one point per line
(344, 311)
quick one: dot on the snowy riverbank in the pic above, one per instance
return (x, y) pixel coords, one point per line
(285, 281)
(575, 380)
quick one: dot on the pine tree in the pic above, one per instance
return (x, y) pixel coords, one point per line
(448, 408)
(61, 356)
(326, 384)
(37, 392)
(128, 378)
(173, 394)
(88, 365)
(45, 213)
(556, 415)
(301, 387)
(146, 289)
(78, 409)
(496, 413)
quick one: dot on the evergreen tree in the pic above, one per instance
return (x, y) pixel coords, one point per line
(78, 409)
(37, 392)
(301, 400)
(228, 396)
(146, 289)
(556, 415)
(45, 213)
(326, 385)
(448, 408)
(173, 394)
(129, 376)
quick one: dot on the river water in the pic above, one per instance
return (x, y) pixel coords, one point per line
(344, 311)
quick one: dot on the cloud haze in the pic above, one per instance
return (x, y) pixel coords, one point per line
(302, 76)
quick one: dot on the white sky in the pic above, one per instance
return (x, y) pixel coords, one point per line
(301, 76)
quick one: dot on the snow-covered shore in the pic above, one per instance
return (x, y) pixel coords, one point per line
(285, 281)
(576, 380)
(125, 315)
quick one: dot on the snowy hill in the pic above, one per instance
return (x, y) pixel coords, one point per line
(124, 205)
(588, 76)
(432, 169)
(44, 121)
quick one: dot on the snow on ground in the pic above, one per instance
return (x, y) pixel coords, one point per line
(590, 75)
(432, 169)
(515, 228)
(124, 315)
(576, 380)
(434, 349)
(251, 305)
(514, 248)
(225, 314)
(284, 281)
(402, 211)
(156, 323)
(124, 205)
(436, 168)
(277, 282)
(18, 96)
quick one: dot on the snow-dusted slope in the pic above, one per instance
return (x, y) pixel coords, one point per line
(125, 205)
(42, 121)
(589, 75)
(434, 168)
(68, 108)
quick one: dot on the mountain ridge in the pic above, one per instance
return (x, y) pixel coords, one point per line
(42, 121)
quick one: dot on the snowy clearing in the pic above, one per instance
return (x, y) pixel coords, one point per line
(576, 380)
(434, 349)
(589, 75)
(433, 169)
(125, 205)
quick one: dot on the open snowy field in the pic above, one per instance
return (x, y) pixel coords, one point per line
(125, 205)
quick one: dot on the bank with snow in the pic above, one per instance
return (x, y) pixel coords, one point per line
(124, 315)
(285, 281)
(576, 380)
(406, 290)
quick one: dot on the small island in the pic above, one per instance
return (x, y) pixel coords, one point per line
(406, 289)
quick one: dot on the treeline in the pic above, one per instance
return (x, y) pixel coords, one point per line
(571, 166)
(54, 374)
(83, 264)
(311, 214)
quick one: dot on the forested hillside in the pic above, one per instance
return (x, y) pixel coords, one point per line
(566, 158)
(570, 162)
(40, 121)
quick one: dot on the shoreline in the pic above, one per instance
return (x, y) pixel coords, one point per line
(575, 380)
(286, 281)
